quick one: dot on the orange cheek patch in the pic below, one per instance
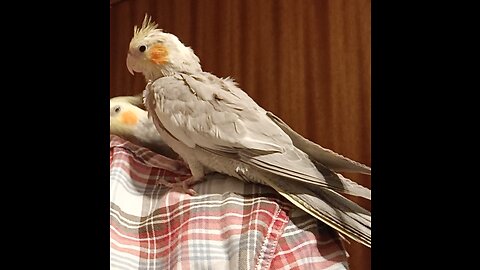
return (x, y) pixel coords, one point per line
(129, 118)
(158, 54)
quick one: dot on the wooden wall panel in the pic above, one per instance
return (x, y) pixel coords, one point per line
(307, 61)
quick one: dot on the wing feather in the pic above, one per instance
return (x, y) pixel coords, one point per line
(217, 115)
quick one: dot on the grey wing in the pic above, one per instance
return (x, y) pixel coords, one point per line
(204, 113)
(296, 165)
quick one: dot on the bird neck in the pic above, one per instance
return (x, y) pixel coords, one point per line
(170, 70)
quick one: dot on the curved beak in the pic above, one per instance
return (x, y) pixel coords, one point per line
(130, 62)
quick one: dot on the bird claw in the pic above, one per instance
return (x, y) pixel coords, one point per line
(184, 186)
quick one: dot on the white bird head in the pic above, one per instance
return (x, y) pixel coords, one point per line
(125, 115)
(156, 53)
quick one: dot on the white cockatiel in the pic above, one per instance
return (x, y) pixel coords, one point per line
(129, 121)
(216, 127)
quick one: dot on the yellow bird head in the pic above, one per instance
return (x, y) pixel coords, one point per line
(156, 53)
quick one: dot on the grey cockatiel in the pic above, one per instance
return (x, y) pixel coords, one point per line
(130, 121)
(215, 126)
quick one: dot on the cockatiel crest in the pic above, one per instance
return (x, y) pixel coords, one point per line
(156, 53)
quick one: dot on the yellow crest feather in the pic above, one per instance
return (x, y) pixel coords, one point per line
(147, 26)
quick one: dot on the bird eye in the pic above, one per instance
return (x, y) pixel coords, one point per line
(117, 109)
(142, 48)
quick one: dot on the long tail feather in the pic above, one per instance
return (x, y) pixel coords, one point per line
(329, 207)
(325, 156)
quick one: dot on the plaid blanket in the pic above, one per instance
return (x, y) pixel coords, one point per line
(228, 225)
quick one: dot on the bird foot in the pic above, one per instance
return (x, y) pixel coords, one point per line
(184, 186)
